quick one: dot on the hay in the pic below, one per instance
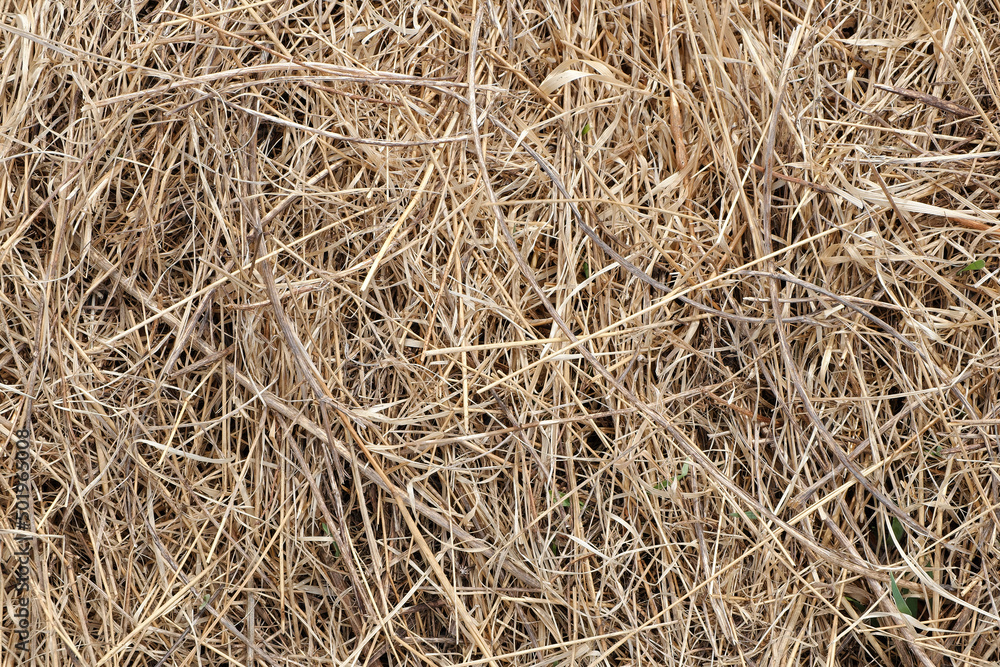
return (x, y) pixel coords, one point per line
(453, 334)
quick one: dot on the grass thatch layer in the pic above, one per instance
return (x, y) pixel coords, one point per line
(560, 332)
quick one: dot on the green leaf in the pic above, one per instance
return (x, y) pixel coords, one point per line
(586, 270)
(685, 469)
(555, 549)
(748, 514)
(902, 604)
(586, 129)
(336, 548)
(977, 265)
(858, 606)
(897, 530)
(565, 500)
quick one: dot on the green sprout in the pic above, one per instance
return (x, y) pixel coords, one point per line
(685, 469)
(897, 530)
(977, 265)
(336, 547)
(565, 499)
(858, 606)
(905, 605)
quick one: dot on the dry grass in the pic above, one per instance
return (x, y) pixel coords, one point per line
(535, 332)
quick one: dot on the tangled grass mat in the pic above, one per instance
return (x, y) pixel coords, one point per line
(543, 332)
